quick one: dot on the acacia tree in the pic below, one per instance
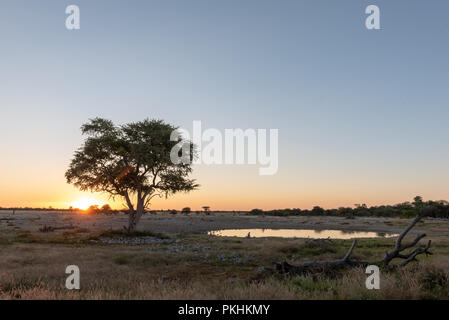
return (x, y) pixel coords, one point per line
(130, 161)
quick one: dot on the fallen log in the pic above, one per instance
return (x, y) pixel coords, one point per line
(347, 262)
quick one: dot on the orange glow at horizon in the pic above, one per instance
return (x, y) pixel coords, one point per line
(288, 189)
(85, 203)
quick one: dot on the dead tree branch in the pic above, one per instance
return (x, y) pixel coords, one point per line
(347, 262)
(399, 247)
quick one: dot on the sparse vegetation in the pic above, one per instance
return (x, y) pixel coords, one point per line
(434, 209)
(186, 210)
(198, 266)
(203, 267)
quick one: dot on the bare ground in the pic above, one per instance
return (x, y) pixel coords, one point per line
(200, 223)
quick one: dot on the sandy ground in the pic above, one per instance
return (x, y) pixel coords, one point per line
(200, 223)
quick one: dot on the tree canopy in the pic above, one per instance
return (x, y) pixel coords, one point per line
(131, 161)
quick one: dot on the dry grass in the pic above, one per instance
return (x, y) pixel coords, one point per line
(36, 271)
(419, 282)
(202, 267)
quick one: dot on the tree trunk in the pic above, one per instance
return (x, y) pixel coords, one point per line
(131, 221)
(139, 211)
(132, 214)
(135, 215)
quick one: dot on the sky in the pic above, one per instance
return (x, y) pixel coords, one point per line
(362, 114)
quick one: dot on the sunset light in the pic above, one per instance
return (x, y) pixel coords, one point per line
(224, 159)
(85, 203)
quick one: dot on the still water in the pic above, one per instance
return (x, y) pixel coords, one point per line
(299, 233)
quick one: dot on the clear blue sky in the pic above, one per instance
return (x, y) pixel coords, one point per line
(362, 114)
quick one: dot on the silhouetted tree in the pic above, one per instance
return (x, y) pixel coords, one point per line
(106, 208)
(130, 161)
(206, 210)
(417, 202)
(93, 209)
(317, 210)
(256, 211)
(186, 210)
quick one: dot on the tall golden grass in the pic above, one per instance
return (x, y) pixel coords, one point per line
(421, 281)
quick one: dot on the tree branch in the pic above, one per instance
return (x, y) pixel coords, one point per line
(346, 262)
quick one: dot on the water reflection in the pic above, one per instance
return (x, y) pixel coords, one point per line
(297, 233)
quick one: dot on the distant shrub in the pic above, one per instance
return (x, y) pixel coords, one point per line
(93, 209)
(318, 210)
(257, 211)
(106, 209)
(173, 212)
(186, 210)
(434, 209)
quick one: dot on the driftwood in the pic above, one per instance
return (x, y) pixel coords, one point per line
(347, 262)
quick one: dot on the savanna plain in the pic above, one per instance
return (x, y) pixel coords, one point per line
(172, 256)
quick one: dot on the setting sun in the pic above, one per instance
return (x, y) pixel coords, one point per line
(85, 203)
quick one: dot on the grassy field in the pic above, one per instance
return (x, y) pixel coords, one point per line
(198, 266)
